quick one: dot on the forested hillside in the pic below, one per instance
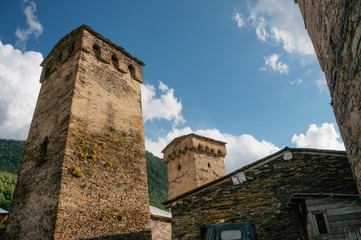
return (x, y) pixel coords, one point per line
(157, 180)
(11, 152)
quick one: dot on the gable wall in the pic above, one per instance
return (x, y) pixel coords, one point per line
(264, 198)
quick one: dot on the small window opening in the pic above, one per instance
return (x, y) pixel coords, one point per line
(131, 71)
(96, 50)
(209, 165)
(179, 167)
(43, 150)
(115, 61)
(60, 58)
(321, 223)
(47, 72)
(71, 49)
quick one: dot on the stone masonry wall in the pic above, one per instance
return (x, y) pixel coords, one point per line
(161, 229)
(90, 181)
(335, 30)
(35, 202)
(192, 161)
(263, 199)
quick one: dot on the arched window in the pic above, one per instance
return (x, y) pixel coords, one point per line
(96, 50)
(115, 61)
(131, 71)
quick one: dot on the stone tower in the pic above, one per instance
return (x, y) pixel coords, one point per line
(83, 174)
(193, 161)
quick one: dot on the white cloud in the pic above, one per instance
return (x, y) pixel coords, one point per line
(321, 82)
(281, 21)
(297, 82)
(19, 81)
(166, 106)
(324, 137)
(238, 18)
(242, 149)
(272, 63)
(34, 26)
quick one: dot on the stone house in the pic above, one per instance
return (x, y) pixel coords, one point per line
(291, 194)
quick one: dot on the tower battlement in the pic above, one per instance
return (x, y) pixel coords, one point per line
(193, 161)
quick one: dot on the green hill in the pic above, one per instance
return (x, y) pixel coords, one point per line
(11, 152)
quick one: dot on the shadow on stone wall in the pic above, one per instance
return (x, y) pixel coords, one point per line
(144, 235)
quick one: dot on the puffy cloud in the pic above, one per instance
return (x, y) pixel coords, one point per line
(242, 149)
(238, 18)
(272, 63)
(281, 21)
(34, 26)
(19, 80)
(324, 137)
(165, 106)
(297, 82)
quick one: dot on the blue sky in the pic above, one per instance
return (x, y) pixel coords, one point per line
(243, 72)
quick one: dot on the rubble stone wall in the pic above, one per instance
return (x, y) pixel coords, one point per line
(334, 27)
(263, 199)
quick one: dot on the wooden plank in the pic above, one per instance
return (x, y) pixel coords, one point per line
(325, 200)
(346, 224)
(343, 216)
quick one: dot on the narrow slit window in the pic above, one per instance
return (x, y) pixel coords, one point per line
(47, 72)
(96, 50)
(131, 71)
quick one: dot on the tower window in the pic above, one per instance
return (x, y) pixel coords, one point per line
(60, 58)
(71, 48)
(115, 61)
(179, 167)
(47, 72)
(43, 149)
(131, 71)
(209, 165)
(96, 50)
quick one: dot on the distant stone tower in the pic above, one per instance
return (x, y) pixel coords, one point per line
(83, 174)
(193, 161)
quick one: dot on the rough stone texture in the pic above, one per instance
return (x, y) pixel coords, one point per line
(83, 174)
(161, 229)
(264, 198)
(335, 30)
(193, 161)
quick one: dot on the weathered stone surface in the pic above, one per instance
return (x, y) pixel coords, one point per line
(335, 30)
(83, 174)
(264, 198)
(193, 161)
(161, 229)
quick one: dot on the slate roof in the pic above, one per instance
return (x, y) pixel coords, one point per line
(257, 163)
(3, 211)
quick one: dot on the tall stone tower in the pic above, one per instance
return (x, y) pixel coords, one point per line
(83, 174)
(193, 161)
